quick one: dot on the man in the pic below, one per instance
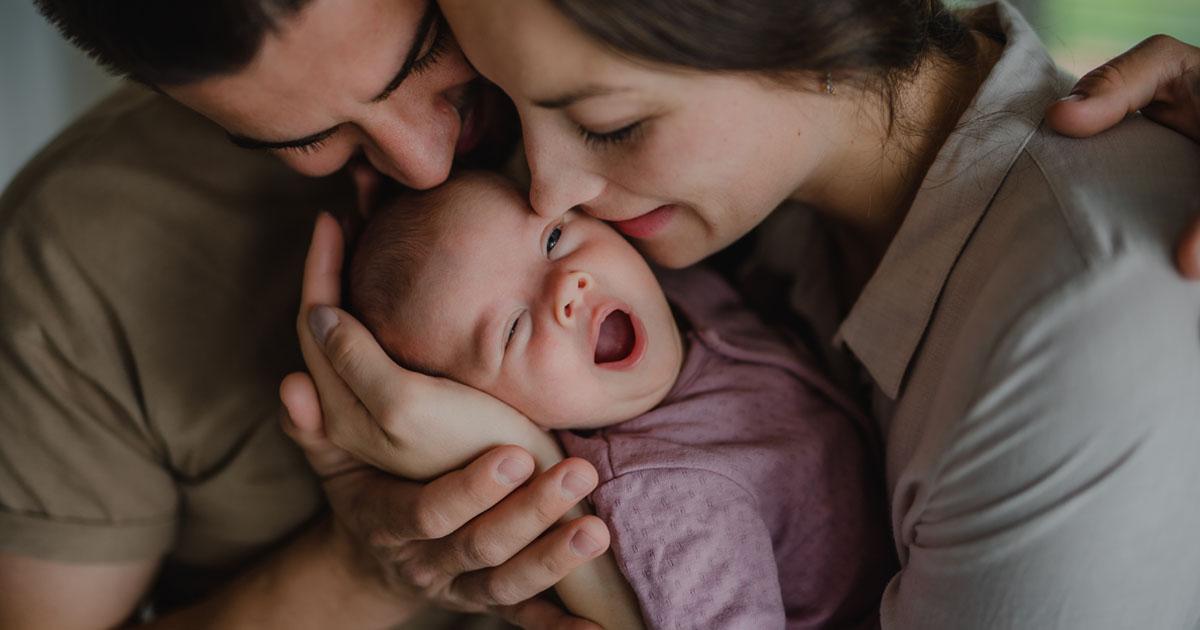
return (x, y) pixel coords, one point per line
(149, 272)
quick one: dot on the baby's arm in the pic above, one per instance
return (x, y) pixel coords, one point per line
(448, 426)
(699, 552)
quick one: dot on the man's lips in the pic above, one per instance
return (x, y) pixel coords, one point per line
(636, 349)
(470, 130)
(646, 225)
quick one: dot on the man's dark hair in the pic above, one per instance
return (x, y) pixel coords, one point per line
(165, 42)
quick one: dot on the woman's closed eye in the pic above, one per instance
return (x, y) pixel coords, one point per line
(599, 140)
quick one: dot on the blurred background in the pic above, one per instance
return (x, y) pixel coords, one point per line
(44, 82)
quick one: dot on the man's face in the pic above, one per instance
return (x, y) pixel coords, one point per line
(560, 318)
(380, 78)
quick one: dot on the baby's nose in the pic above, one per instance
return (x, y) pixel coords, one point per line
(569, 296)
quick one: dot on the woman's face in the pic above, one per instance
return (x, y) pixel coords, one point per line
(380, 78)
(682, 162)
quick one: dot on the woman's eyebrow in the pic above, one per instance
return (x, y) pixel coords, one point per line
(570, 98)
(428, 22)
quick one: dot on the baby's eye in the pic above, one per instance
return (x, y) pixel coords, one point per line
(511, 332)
(555, 234)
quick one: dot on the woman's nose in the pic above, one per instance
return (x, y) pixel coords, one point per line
(569, 296)
(558, 182)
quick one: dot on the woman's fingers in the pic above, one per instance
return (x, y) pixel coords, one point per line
(1160, 76)
(538, 567)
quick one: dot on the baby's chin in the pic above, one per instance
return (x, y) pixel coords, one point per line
(599, 414)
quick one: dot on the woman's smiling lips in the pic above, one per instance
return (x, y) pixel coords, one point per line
(647, 225)
(639, 336)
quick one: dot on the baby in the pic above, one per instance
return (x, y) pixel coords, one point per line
(735, 480)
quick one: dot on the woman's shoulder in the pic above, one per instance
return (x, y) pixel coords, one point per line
(1131, 189)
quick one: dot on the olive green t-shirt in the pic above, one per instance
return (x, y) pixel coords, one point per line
(149, 282)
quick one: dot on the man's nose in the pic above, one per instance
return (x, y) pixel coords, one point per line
(418, 156)
(569, 296)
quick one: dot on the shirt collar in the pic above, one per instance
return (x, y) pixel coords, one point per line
(889, 319)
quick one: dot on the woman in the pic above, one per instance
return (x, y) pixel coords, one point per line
(1007, 379)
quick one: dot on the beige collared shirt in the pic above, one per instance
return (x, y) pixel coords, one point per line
(1034, 360)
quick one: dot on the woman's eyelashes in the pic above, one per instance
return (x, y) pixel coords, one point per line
(599, 140)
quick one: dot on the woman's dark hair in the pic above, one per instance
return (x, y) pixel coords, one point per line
(167, 42)
(853, 39)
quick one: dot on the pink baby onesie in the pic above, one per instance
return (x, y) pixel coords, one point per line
(751, 497)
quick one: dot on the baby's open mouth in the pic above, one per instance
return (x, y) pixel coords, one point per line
(617, 338)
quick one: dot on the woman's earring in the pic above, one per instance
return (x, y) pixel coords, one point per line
(829, 83)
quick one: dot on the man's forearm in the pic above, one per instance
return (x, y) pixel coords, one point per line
(311, 583)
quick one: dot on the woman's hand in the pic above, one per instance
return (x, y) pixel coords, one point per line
(1160, 77)
(470, 540)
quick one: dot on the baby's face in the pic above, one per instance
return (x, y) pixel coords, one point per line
(560, 318)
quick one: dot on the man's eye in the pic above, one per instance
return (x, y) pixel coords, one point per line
(436, 47)
(555, 234)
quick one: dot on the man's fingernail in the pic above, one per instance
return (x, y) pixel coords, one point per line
(321, 320)
(584, 545)
(575, 485)
(512, 471)
(1074, 97)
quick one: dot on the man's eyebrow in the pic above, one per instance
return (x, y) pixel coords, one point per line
(429, 21)
(573, 97)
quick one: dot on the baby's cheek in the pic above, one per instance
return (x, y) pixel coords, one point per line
(557, 387)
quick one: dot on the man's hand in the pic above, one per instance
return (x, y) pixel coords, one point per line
(1160, 77)
(470, 540)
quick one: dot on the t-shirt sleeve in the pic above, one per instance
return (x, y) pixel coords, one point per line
(82, 475)
(1066, 495)
(694, 548)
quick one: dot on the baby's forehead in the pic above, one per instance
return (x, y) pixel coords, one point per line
(484, 232)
